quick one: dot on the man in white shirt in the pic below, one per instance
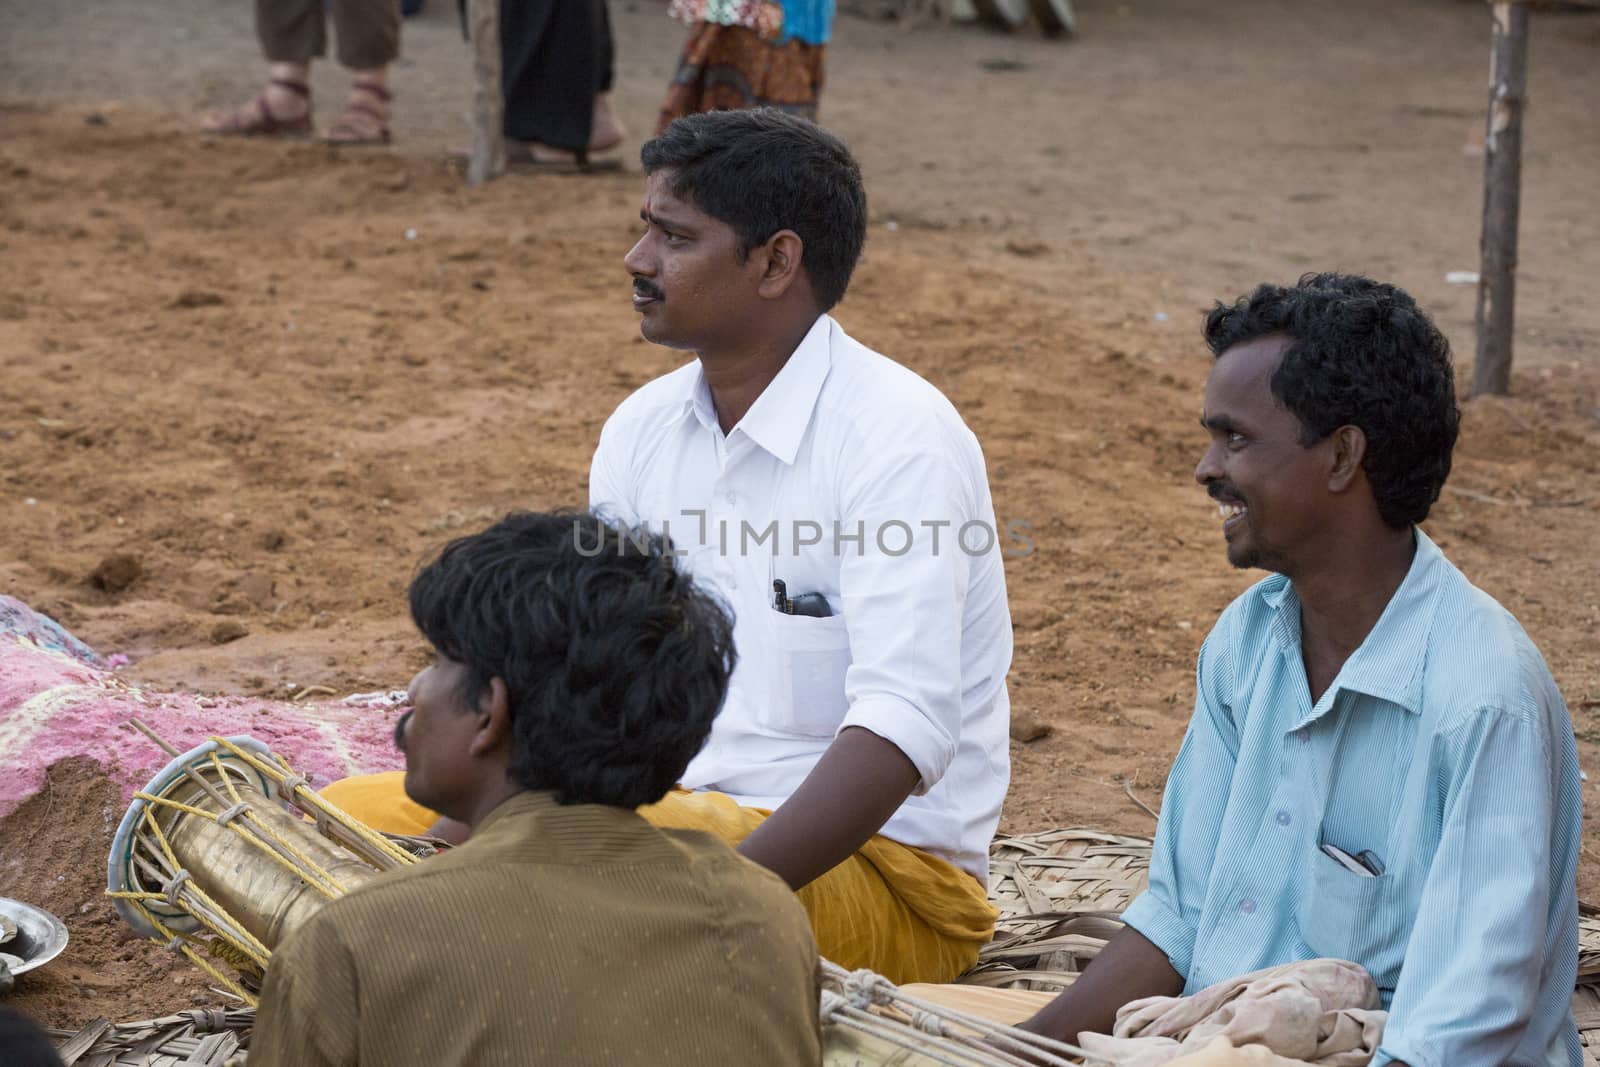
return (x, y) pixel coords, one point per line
(839, 505)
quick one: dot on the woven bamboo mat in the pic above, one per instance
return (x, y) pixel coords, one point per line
(200, 1038)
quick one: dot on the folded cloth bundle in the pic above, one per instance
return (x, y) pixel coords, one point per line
(1322, 1012)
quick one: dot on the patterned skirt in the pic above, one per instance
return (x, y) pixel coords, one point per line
(726, 68)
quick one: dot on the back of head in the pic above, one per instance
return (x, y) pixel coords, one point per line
(1361, 354)
(762, 171)
(615, 662)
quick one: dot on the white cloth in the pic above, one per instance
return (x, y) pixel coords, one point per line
(1321, 1011)
(842, 442)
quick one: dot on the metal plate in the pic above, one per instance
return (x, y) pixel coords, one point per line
(40, 936)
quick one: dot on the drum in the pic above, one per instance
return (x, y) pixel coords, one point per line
(226, 850)
(868, 1021)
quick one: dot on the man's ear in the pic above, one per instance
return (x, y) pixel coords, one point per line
(1349, 449)
(780, 263)
(493, 728)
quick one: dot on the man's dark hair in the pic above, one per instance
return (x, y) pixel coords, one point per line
(761, 171)
(615, 662)
(1362, 354)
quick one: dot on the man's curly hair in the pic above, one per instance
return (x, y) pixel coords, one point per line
(614, 661)
(1361, 354)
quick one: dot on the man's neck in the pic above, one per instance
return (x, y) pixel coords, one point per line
(739, 376)
(491, 797)
(1342, 598)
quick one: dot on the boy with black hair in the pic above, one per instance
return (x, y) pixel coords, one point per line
(577, 670)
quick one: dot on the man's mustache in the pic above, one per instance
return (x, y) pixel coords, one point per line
(1224, 493)
(400, 730)
(648, 290)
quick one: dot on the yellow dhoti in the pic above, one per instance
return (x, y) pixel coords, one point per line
(905, 913)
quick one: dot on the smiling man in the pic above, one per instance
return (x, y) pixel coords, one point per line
(840, 505)
(1379, 767)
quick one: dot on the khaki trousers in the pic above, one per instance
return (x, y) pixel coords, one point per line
(295, 31)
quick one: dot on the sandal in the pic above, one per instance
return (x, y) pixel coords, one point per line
(256, 119)
(355, 125)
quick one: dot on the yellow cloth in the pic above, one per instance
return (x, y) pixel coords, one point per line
(905, 913)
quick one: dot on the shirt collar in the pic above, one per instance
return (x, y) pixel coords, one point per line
(778, 419)
(1389, 663)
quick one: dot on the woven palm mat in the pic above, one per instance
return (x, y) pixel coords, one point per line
(205, 1037)
(1059, 894)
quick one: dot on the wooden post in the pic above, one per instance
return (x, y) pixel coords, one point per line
(488, 104)
(1502, 197)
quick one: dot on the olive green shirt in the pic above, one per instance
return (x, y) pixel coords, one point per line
(569, 935)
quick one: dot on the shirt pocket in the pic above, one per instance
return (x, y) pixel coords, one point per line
(1347, 916)
(806, 684)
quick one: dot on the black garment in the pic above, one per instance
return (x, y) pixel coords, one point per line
(556, 56)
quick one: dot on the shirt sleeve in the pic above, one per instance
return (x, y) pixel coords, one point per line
(610, 477)
(307, 1016)
(1192, 809)
(1478, 949)
(903, 578)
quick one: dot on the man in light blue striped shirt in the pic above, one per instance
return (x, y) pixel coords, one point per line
(1379, 767)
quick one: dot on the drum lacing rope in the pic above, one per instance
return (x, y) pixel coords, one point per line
(233, 813)
(173, 886)
(929, 1023)
(866, 988)
(287, 787)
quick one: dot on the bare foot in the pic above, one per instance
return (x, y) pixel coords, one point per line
(605, 129)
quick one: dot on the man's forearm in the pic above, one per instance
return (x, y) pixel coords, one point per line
(1128, 968)
(858, 783)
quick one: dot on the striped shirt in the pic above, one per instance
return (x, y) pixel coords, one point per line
(579, 935)
(1443, 749)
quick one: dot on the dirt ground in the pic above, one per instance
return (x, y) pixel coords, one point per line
(276, 374)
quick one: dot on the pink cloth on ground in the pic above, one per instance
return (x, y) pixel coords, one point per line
(56, 702)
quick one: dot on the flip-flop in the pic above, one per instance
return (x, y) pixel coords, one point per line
(242, 122)
(352, 135)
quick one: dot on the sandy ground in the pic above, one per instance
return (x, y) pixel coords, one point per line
(229, 361)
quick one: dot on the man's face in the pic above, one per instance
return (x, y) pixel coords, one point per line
(1270, 489)
(436, 738)
(690, 287)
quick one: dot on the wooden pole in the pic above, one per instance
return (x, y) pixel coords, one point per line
(488, 104)
(1502, 197)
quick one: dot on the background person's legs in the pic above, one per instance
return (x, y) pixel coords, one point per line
(367, 36)
(557, 59)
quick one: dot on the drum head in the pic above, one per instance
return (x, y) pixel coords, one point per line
(36, 936)
(121, 874)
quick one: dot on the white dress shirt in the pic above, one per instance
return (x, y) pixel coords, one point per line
(851, 477)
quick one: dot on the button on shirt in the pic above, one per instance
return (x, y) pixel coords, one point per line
(853, 478)
(1442, 755)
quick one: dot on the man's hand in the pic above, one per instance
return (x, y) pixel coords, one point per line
(858, 783)
(1128, 968)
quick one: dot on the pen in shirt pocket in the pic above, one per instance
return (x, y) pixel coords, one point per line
(1365, 863)
(812, 604)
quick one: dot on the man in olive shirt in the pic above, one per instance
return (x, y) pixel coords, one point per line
(577, 672)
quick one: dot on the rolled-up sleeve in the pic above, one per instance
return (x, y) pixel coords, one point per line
(904, 586)
(1192, 809)
(1480, 951)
